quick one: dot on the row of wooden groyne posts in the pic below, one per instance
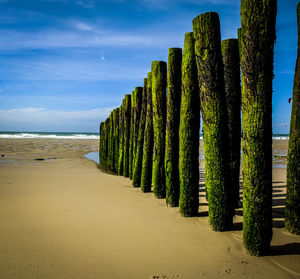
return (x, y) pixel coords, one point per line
(153, 137)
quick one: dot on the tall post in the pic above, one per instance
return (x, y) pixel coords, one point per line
(231, 62)
(116, 139)
(133, 105)
(110, 142)
(159, 85)
(206, 29)
(172, 126)
(106, 144)
(189, 132)
(257, 43)
(292, 207)
(121, 138)
(101, 149)
(239, 37)
(127, 110)
(137, 113)
(137, 168)
(146, 179)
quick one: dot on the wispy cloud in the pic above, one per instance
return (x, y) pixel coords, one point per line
(68, 69)
(33, 118)
(164, 4)
(12, 40)
(83, 26)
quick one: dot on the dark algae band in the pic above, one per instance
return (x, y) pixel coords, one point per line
(207, 36)
(292, 206)
(159, 86)
(172, 126)
(231, 62)
(189, 132)
(257, 44)
(146, 179)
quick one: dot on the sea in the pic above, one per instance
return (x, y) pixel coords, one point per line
(73, 135)
(48, 135)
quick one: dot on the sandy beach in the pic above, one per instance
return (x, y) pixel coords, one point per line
(62, 217)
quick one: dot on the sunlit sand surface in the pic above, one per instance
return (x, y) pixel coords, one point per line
(61, 217)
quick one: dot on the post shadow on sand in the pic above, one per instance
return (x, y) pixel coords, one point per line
(278, 203)
(285, 249)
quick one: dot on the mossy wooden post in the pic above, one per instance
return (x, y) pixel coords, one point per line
(137, 167)
(106, 144)
(206, 29)
(146, 179)
(159, 86)
(110, 142)
(127, 110)
(101, 150)
(121, 138)
(258, 35)
(116, 139)
(103, 165)
(231, 62)
(172, 126)
(137, 113)
(131, 132)
(292, 206)
(189, 132)
(239, 35)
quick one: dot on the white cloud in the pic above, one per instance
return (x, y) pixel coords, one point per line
(32, 118)
(68, 69)
(83, 26)
(165, 4)
(12, 40)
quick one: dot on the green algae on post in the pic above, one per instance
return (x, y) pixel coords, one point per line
(172, 126)
(104, 164)
(189, 132)
(292, 205)
(127, 110)
(159, 84)
(239, 35)
(206, 29)
(131, 133)
(121, 138)
(231, 62)
(137, 167)
(257, 45)
(110, 142)
(136, 121)
(101, 141)
(146, 179)
(116, 139)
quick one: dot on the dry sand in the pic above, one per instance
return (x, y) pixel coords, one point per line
(64, 218)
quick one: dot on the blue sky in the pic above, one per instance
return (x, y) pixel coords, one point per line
(65, 64)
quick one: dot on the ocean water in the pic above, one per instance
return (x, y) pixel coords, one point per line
(93, 156)
(60, 135)
(47, 135)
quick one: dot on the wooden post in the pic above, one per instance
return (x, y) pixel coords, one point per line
(257, 44)
(159, 86)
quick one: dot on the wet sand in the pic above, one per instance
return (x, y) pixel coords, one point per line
(61, 217)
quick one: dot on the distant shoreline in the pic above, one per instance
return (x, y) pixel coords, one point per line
(79, 135)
